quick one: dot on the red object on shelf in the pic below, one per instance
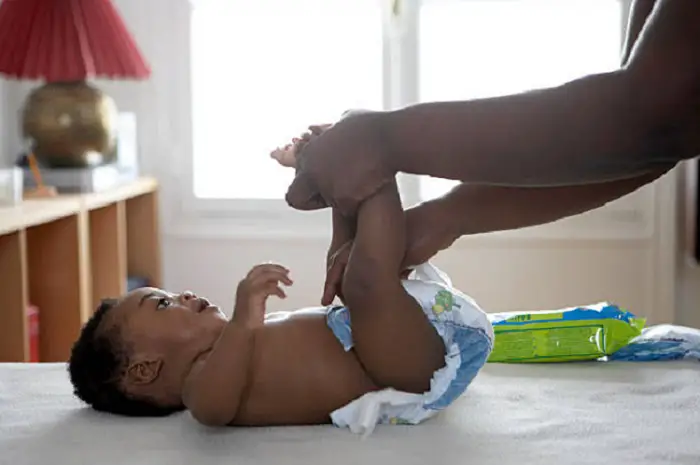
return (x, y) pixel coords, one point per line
(67, 40)
(33, 327)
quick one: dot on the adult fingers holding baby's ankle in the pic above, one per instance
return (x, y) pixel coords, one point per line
(346, 164)
(302, 194)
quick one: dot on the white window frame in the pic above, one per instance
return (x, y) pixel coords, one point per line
(273, 218)
(257, 217)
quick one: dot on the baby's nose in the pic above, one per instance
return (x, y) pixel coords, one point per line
(187, 296)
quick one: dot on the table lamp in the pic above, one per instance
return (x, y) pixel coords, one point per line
(68, 122)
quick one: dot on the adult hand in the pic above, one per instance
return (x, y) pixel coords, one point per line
(345, 164)
(337, 262)
(430, 228)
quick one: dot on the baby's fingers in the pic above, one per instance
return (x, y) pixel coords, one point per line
(274, 277)
(269, 272)
(263, 267)
(274, 289)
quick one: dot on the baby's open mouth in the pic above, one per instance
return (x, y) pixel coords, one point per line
(203, 305)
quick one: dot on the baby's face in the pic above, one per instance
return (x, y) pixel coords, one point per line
(174, 327)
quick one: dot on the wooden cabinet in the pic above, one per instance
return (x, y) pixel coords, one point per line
(66, 253)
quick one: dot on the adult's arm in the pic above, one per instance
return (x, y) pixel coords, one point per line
(475, 209)
(639, 13)
(601, 127)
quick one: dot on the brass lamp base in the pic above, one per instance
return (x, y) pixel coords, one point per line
(70, 124)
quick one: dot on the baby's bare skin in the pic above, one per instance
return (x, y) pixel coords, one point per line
(292, 369)
(297, 371)
(285, 368)
(287, 155)
(300, 372)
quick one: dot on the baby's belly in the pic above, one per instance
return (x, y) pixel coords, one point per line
(301, 373)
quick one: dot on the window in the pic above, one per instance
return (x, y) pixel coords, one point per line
(507, 47)
(263, 70)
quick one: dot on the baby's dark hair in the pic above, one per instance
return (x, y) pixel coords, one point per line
(96, 364)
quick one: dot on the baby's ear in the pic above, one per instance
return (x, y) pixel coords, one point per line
(143, 370)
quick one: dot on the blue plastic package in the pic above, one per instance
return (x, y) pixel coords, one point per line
(660, 343)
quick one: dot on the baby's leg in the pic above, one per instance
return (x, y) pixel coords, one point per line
(393, 338)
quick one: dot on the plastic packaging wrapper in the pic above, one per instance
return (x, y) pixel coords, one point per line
(659, 343)
(573, 334)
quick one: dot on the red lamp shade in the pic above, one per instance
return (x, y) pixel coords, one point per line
(67, 40)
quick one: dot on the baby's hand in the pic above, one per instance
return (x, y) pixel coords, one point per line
(261, 282)
(287, 155)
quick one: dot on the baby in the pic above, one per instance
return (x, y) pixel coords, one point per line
(396, 351)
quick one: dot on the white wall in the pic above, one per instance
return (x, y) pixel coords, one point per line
(688, 286)
(638, 271)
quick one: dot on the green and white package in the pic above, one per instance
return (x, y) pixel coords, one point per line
(580, 333)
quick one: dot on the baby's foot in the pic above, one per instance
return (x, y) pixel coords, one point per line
(287, 155)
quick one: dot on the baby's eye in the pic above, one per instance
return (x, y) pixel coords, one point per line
(163, 303)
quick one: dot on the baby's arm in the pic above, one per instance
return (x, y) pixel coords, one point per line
(214, 388)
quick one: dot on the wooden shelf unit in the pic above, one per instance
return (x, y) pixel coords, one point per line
(64, 254)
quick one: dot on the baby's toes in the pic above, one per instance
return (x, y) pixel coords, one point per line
(285, 157)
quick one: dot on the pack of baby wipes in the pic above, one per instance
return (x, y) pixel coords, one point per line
(579, 333)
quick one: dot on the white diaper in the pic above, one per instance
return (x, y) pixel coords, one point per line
(468, 337)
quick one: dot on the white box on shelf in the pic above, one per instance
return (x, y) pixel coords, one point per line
(11, 186)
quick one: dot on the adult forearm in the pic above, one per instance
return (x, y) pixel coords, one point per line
(476, 209)
(639, 13)
(584, 131)
(601, 127)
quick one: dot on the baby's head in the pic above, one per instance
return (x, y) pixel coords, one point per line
(134, 353)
